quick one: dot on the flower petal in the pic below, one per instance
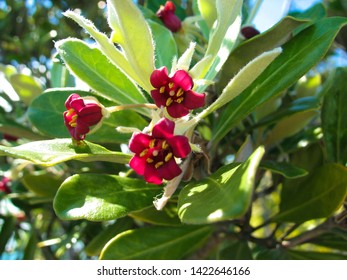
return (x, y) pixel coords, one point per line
(177, 110)
(164, 128)
(138, 164)
(193, 100)
(159, 98)
(70, 99)
(159, 77)
(152, 176)
(182, 79)
(169, 170)
(138, 142)
(180, 146)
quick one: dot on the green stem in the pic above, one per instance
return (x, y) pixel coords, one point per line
(131, 106)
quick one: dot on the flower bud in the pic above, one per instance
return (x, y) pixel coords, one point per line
(167, 16)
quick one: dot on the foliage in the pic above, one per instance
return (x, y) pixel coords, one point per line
(266, 174)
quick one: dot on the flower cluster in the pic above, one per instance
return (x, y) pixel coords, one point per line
(5, 185)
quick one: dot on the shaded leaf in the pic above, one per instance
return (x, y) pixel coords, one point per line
(42, 184)
(285, 169)
(94, 247)
(237, 250)
(319, 196)
(155, 243)
(51, 152)
(100, 197)
(225, 195)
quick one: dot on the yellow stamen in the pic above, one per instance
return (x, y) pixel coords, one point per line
(162, 89)
(179, 100)
(158, 164)
(164, 145)
(168, 157)
(149, 160)
(171, 85)
(70, 112)
(171, 93)
(144, 152)
(152, 143)
(180, 92)
(155, 153)
(168, 101)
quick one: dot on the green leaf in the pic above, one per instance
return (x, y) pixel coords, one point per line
(17, 130)
(42, 183)
(51, 152)
(165, 217)
(109, 50)
(225, 195)
(208, 11)
(99, 197)
(311, 255)
(289, 126)
(298, 56)
(60, 76)
(221, 40)
(155, 243)
(163, 37)
(336, 239)
(334, 118)
(132, 33)
(31, 246)
(27, 87)
(46, 114)
(236, 250)
(7, 229)
(92, 67)
(250, 49)
(285, 169)
(319, 196)
(94, 247)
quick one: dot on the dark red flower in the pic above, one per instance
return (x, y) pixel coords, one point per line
(175, 93)
(4, 185)
(155, 154)
(249, 32)
(81, 114)
(167, 15)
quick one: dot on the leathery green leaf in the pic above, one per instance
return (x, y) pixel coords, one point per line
(51, 152)
(100, 197)
(208, 11)
(42, 183)
(107, 47)
(132, 32)
(156, 243)
(299, 55)
(225, 195)
(250, 49)
(319, 196)
(91, 66)
(222, 39)
(285, 169)
(334, 118)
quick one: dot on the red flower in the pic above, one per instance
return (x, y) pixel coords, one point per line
(155, 154)
(167, 15)
(81, 114)
(249, 32)
(4, 185)
(175, 93)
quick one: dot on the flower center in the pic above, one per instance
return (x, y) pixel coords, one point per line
(158, 153)
(176, 94)
(73, 115)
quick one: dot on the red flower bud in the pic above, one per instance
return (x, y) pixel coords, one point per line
(167, 15)
(249, 32)
(4, 185)
(155, 154)
(175, 93)
(81, 114)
